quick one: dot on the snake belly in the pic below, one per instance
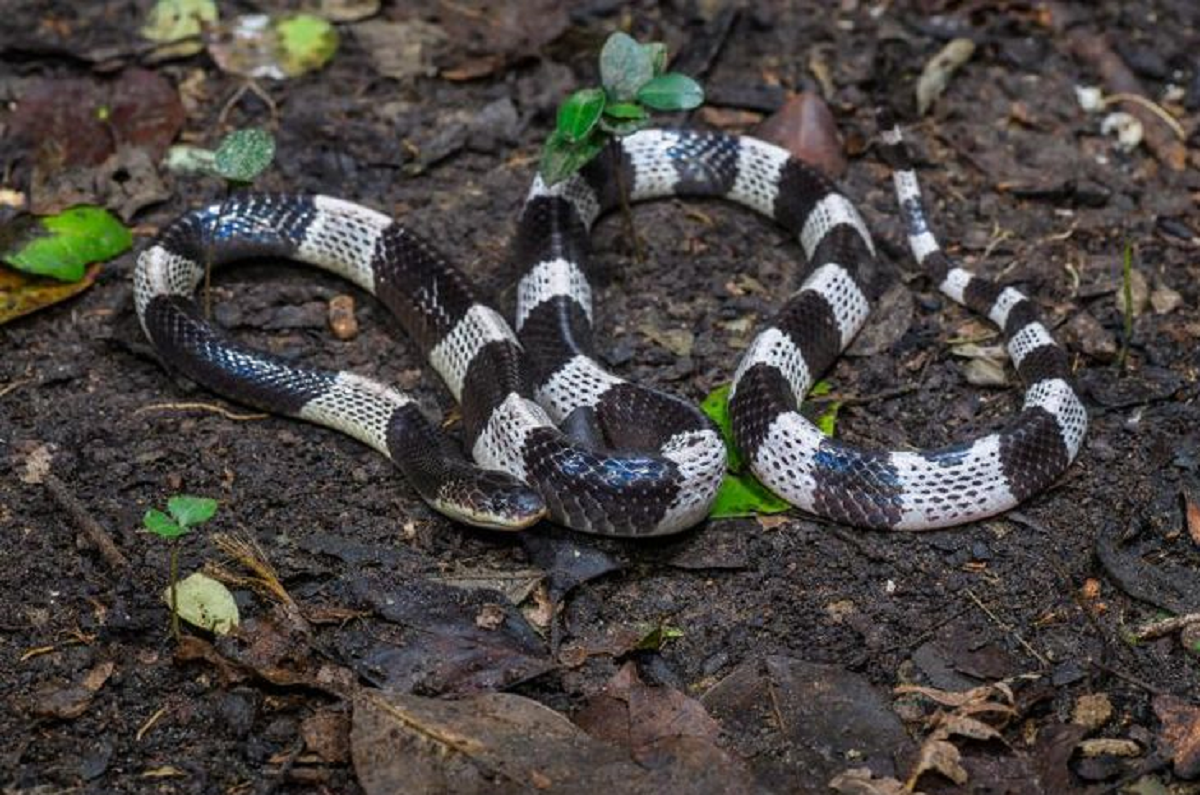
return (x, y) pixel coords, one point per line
(633, 461)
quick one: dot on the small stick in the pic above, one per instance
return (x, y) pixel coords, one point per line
(84, 521)
(1156, 629)
(625, 211)
(1009, 629)
(224, 412)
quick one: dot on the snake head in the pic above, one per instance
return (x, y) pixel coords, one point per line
(489, 498)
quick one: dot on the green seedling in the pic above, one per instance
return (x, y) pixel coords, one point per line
(239, 159)
(183, 513)
(633, 84)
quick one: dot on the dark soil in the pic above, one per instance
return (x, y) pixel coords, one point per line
(1023, 187)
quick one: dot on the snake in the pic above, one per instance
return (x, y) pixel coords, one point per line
(547, 431)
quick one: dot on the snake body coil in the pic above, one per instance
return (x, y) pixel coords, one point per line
(632, 461)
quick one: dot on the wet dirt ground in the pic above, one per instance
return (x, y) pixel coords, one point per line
(1023, 186)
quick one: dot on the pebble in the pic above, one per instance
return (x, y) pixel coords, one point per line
(342, 320)
(1086, 333)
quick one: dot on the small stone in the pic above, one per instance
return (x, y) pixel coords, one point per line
(342, 321)
(1086, 333)
(1092, 711)
(1164, 300)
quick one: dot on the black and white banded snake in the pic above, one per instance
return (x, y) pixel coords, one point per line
(628, 461)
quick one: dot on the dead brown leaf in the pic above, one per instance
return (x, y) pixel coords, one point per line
(805, 127)
(1193, 519)
(504, 743)
(69, 701)
(21, 293)
(1181, 731)
(938, 756)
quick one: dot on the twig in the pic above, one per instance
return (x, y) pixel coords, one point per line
(1156, 629)
(1009, 629)
(858, 400)
(1130, 678)
(84, 521)
(14, 386)
(1151, 106)
(153, 719)
(224, 412)
(638, 255)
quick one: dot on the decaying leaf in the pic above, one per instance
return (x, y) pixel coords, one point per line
(938, 71)
(1181, 731)
(260, 46)
(204, 602)
(937, 753)
(21, 294)
(939, 756)
(504, 743)
(68, 701)
(400, 50)
(860, 781)
(804, 126)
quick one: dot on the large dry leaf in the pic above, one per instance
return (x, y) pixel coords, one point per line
(652, 722)
(21, 293)
(500, 743)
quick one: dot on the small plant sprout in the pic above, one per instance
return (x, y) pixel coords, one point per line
(633, 83)
(183, 513)
(239, 159)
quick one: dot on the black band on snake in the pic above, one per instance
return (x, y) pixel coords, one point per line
(628, 461)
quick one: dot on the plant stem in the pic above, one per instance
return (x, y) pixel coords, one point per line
(174, 579)
(625, 211)
(1126, 305)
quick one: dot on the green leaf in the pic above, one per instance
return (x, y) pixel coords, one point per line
(172, 20)
(60, 246)
(657, 52)
(206, 603)
(190, 511)
(742, 495)
(672, 91)
(657, 637)
(561, 158)
(162, 525)
(624, 127)
(579, 114)
(626, 110)
(716, 408)
(244, 154)
(306, 43)
(625, 66)
(828, 418)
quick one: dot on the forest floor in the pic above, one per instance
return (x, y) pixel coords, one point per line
(746, 655)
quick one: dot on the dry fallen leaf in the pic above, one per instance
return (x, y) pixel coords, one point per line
(938, 71)
(805, 127)
(938, 756)
(1193, 519)
(1181, 731)
(21, 294)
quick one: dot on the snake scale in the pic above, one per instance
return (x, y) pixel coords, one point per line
(549, 431)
